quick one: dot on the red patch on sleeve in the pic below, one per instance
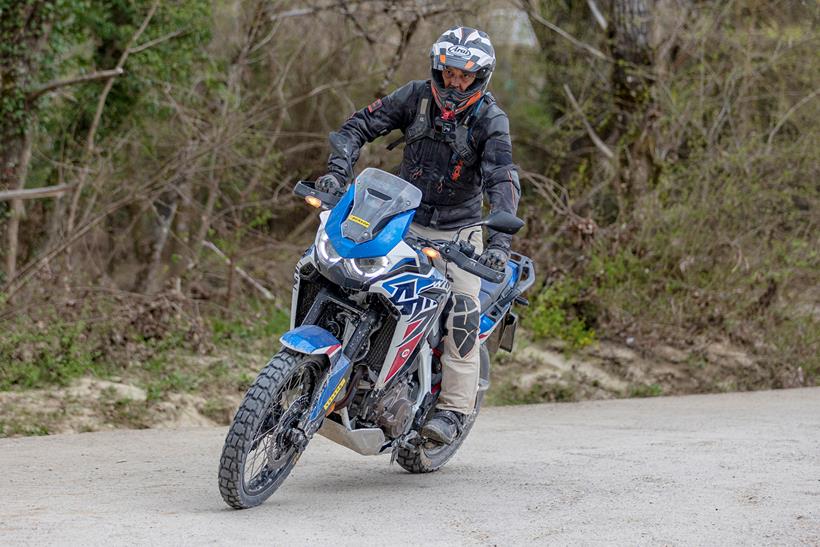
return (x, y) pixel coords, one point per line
(375, 105)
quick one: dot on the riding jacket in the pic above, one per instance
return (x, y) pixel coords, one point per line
(452, 162)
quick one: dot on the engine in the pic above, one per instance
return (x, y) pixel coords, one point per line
(393, 410)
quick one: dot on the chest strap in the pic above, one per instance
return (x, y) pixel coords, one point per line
(456, 135)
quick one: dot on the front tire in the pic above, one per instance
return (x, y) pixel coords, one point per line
(258, 456)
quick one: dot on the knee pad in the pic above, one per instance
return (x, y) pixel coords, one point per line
(465, 320)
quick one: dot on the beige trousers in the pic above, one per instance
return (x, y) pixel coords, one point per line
(460, 359)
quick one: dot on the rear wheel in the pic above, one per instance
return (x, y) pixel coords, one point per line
(431, 456)
(258, 454)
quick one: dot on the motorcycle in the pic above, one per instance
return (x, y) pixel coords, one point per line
(361, 363)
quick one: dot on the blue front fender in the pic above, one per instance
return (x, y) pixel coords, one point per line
(311, 340)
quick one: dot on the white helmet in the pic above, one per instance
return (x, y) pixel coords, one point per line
(467, 49)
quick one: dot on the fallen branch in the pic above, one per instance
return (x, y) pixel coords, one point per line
(242, 273)
(592, 135)
(35, 193)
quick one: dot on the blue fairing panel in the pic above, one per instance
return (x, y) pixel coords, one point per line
(381, 244)
(335, 382)
(491, 291)
(486, 324)
(310, 339)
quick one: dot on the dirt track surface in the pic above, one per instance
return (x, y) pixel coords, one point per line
(698, 470)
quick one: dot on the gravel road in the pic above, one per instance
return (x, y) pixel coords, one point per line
(698, 470)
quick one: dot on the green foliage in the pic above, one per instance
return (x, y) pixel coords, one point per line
(163, 376)
(509, 393)
(122, 411)
(54, 353)
(13, 427)
(554, 314)
(645, 390)
(263, 323)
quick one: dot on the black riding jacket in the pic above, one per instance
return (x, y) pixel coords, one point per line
(452, 177)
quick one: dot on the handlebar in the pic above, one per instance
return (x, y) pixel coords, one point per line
(306, 188)
(454, 252)
(461, 253)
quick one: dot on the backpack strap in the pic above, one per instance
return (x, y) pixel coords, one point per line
(459, 139)
(421, 126)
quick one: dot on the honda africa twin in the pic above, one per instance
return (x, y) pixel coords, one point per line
(360, 364)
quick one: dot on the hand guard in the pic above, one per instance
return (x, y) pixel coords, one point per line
(329, 183)
(495, 258)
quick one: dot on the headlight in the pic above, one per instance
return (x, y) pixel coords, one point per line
(359, 269)
(325, 251)
(364, 268)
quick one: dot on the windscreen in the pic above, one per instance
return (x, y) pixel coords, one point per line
(378, 196)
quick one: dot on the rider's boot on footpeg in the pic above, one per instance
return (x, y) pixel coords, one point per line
(444, 426)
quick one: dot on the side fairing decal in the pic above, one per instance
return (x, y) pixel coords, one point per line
(416, 297)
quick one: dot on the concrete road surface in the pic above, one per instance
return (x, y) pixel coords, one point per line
(700, 470)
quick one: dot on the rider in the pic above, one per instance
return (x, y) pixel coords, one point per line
(457, 148)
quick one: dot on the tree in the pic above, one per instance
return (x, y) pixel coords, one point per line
(633, 76)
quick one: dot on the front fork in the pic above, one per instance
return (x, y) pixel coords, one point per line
(335, 379)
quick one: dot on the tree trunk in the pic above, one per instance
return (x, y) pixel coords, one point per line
(633, 77)
(24, 31)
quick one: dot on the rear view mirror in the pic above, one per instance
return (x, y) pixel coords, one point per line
(506, 223)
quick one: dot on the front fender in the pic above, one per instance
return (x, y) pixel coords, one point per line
(311, 340)
(314, 340)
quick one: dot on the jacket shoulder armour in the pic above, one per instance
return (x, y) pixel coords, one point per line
(495, 121)
(410, 92)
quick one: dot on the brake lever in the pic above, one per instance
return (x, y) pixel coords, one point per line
(467, 248)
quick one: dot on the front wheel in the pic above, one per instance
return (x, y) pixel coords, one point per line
(258, 454)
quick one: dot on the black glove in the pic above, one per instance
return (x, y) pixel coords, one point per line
(329, 183)
(495, 258)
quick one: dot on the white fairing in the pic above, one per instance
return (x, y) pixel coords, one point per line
(418, 299)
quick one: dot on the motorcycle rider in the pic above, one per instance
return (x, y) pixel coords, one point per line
(457, 148)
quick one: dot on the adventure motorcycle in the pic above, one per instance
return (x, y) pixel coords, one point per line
(360, 364)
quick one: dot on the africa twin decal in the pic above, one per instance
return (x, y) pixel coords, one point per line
(405, 291)
(416, 297)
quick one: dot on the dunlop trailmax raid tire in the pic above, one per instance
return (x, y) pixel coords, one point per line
(282, 371)
(431, 457)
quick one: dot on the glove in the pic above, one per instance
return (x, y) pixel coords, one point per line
(495, 258)
(329, 183)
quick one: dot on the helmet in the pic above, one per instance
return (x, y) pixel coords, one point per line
(467, 49)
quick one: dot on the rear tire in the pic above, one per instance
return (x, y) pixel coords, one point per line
(276, 400)
(432, 456)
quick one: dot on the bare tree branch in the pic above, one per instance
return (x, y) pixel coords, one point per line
(92, 132)
(101, 75)
(787, 115)
(155, 41)
(35, 193)
(561, 32)
(599, 17)
(242, 273)
(104, 95)
(592, 135)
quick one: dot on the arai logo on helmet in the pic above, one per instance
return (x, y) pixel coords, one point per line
(458, 51)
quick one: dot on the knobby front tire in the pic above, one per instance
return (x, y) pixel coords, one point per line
(257, 456)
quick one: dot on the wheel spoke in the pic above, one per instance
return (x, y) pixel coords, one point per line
(268, 455)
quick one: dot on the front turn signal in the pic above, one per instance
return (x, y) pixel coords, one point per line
(314, 201)
(430, 252)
